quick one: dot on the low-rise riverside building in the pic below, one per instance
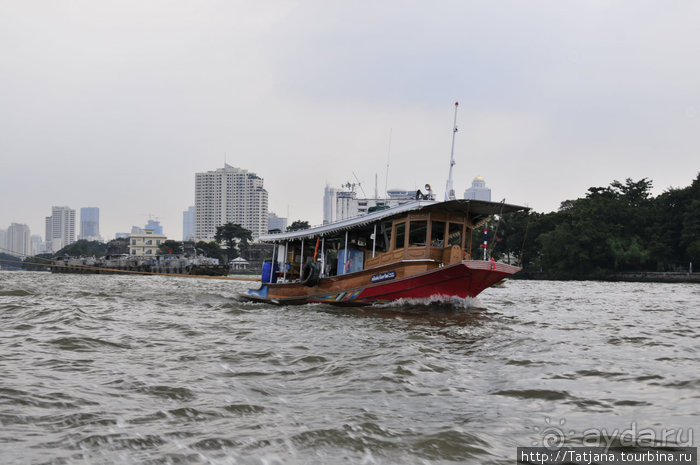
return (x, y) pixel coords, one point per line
(145, 244)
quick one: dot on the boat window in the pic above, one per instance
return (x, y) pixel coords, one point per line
(383, 236)
(400, 235)
(417, 232)
(437, 234)
(455, 234)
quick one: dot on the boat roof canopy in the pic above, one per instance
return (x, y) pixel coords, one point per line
(478, 210)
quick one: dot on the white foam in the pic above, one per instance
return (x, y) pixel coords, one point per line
(436, 301)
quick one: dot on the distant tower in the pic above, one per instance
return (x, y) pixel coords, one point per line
(154, 225)
(18, 239)
(37, 245)
(229, 195)
(275, 223)
(329, 197)
(60, 228)
(346, 205)
(90, 224)
(188, 224)
(478, 191)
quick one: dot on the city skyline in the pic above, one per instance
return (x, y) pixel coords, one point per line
(116, 105)
(90, 223)
(154, 223)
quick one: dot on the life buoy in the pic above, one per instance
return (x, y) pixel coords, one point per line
(310, 274)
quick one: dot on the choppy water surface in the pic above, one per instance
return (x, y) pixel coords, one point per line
(125, 369)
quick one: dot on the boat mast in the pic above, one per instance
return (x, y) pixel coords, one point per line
(386, 178)
(449, 189)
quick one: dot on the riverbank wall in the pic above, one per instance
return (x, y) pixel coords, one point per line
(654, 277)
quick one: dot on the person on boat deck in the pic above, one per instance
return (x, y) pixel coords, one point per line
(421, 196)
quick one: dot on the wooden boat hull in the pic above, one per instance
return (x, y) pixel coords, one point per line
(412, 279)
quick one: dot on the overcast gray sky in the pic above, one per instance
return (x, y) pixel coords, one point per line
(117, 104)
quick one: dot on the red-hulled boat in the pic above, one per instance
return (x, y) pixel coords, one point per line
(417, 250)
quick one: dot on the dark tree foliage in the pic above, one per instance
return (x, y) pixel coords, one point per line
(38, 262)
(235, 236)
(298, 225)
(690, 233)
(170, 247)
(118, 246)
(10, 262)
(83, 248)
(209, 249)
(616, 228)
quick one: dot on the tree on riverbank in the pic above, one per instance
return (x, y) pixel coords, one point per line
(83, 248)
(170, 247)
(235, 236)
(616, 228)
(209, 249)
(298, 225)
(10, 262)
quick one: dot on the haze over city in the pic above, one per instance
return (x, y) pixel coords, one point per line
(117, 105)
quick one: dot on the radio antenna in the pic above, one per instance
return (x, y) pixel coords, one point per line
(449, 189)
(386, 178)
(359, 184)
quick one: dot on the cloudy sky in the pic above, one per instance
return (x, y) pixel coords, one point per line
(117, 104)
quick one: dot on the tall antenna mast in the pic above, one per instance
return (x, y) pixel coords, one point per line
(386, 178)
(449, 189)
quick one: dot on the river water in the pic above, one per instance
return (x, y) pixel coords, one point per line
(156, 370)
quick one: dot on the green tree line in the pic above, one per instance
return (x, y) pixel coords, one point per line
(621, 227)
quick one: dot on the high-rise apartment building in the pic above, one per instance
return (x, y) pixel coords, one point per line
(90, 224)
(17, 240)
(60, 228)
(229, 195)
(188, 224)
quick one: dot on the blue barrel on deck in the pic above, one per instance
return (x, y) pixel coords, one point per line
(269, 275)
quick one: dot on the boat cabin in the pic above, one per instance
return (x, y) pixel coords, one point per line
(426, 233)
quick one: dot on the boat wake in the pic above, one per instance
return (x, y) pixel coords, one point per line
(436, 303)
